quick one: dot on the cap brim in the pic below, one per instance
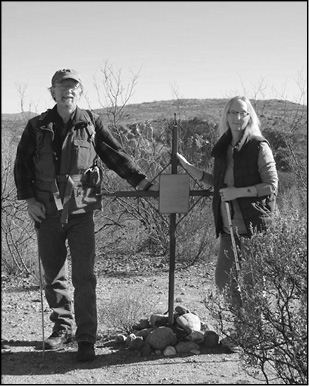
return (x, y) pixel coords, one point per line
(68, 77)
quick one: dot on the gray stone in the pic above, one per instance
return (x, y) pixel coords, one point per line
(161, 337)
(157, 320)
(128, 340)
(196, 337)
(195, 352)
(144, 333)
(169, 351)
(181, 310)
(189, 322)
(146, 350)
(211, 339)
(120, 338)
(142, 324)
(137, 343)
(184, 347)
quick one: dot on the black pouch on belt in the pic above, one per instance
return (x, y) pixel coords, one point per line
(93, 177)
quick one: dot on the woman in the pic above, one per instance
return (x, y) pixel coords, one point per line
(244, 175)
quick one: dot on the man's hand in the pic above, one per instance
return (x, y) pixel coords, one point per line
(36, 210)
(154, 187)
(146, 185)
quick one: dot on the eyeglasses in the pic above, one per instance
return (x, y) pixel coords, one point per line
(242, 114)
(67, 86)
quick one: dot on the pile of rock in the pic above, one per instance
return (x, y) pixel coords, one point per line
(185, 335)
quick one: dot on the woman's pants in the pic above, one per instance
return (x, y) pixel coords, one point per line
(225, 263)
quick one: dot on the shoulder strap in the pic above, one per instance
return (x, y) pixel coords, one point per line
(93, 116)
(92, 135)
(90, 122)
(35, 121)
(89, 112)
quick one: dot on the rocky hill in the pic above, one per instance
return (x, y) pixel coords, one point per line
(206, 109)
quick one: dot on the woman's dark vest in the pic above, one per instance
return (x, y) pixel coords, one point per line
(256, 211)
(74, 189)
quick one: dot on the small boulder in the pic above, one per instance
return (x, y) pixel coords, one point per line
(189, 322)
(137, 343)
(195, 352)
(184, 347)
(169, 351)
(181, 310)
(196, 337)
(157, 320)
(129, 339)
(211, 339)
(144, 333)
(146, 350)
(178, 331)
(120, 338)
(142, 324)
(161, 337)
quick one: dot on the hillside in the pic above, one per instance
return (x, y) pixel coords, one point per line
(281, 121)
(186, 109)
(205, 109)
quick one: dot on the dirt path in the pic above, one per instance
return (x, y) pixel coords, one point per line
(114, 364)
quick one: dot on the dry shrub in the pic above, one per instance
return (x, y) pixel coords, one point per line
(271, 325)
(123, 311)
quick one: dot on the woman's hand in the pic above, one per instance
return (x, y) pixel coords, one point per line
(229, 194)
(183, 162)
(194, 172)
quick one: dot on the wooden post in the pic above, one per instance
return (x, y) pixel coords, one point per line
(172, 230)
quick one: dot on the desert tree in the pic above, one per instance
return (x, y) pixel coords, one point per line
(27, 110)
(17, 232)
(113, 95)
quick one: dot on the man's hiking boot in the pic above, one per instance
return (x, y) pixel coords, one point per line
(85, 352)
(57, 339)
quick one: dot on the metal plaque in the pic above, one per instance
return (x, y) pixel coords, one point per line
(174, 193)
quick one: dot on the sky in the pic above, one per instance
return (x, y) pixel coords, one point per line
(182, 49)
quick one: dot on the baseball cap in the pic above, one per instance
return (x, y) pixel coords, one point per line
(66, 73)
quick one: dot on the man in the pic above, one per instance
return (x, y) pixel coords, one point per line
(56, 173)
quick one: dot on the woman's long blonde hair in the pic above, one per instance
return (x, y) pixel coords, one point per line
(253, 127)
